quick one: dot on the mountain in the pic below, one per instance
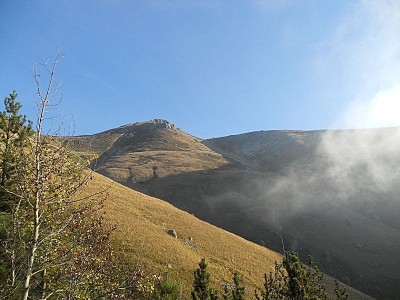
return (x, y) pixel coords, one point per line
(331, 194)
(141, 236)
(131, 152)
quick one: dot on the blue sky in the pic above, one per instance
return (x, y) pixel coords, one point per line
(213, 68)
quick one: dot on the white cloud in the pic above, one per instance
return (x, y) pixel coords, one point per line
(360, 61)
(382, 110)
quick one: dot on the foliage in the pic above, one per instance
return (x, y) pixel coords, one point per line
(341, 293)
(303, 283)
(14, 134)
(53, 243)
(237, 292)
(167, 289)
(201, 289)
(291, 280)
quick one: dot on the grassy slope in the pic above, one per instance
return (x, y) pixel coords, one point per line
(346, 243)
(141, 235)
(129, 153)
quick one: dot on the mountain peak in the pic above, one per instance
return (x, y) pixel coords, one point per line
(151, 125)
(162, 124)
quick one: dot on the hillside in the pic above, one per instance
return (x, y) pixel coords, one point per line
(141, 236)
(332, 194)
(129, 153)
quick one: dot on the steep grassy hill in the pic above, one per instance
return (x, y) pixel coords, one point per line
(141, 235)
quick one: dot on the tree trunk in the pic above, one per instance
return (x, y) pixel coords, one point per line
(32, 252)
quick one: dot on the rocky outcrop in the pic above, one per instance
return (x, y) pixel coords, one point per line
(162, 124)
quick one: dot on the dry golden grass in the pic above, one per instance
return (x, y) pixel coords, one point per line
(140, 164)
(92, 144)
(130, 152)
(141, 236)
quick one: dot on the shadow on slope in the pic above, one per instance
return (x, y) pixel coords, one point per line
(358, 250)
(142, 223)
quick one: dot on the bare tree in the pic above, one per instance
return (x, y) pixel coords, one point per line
(37, 197)
(59, 246)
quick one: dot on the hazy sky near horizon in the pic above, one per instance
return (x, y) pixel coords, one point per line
(213, 68)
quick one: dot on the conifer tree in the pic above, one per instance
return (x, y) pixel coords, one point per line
(54, 244)
(167, 289)
(274, 285)
(341, 292)
(201, 289)
(237, 292)
(302, 283)
(226, 295)
(14, 133)
(291, 280)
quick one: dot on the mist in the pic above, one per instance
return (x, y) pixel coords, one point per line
(358, 65)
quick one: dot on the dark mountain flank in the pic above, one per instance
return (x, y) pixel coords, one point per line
(331, 194)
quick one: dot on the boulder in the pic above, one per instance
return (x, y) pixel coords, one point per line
(172, 232)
